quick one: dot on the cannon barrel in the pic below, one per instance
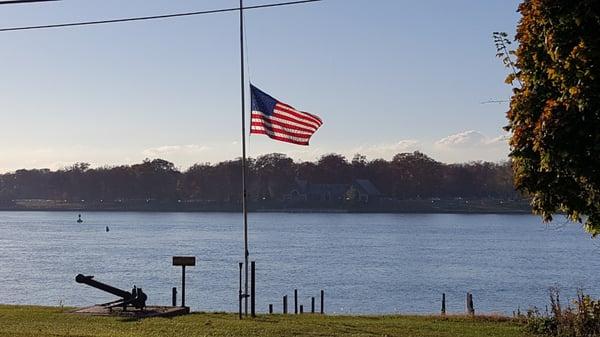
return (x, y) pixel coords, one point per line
(102, 286)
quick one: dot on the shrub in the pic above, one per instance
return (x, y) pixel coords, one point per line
(580, 320)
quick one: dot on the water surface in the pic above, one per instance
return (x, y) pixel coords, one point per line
(366, 263)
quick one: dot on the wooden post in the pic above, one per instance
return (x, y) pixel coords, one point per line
(285, 304)
(301, 309)
(174, 296)
(443, 304)
(467, 305)
(470, 308)
(312, 305)
(295, 301)
(253, 289)
(270, 308)
(322, 302)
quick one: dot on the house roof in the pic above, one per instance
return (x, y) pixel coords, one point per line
(367, 186)
(331, 188)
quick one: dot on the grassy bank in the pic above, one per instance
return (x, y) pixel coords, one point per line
(24, 321)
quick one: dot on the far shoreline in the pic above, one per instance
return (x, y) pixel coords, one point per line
(288, 211)
(383, 206)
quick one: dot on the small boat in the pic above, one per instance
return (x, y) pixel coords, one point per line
(79, 220)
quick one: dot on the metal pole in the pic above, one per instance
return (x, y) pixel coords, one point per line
(244, 194)
(183, 286)
(240, 291)
(253, 289)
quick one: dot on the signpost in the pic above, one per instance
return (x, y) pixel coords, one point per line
(183, 261)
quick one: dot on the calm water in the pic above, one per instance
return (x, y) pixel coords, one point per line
(366, 263)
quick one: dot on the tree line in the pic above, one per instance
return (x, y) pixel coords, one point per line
(270, 177)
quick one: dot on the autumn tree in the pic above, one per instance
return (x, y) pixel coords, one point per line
(554, 114)
(274, 174)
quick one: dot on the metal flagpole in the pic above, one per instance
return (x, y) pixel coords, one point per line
(244, 194)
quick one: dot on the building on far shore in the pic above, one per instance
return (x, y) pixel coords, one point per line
(361, 190)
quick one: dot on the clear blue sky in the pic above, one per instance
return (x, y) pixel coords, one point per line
(386, 76)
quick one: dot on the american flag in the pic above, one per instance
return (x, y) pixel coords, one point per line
(280, 121)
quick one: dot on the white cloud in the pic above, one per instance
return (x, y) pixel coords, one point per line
(503, 139)
(175, 150)
(463, 139)
(387, 150)
(460, 147)
(307, 153)
(470, 139)
(471, 145)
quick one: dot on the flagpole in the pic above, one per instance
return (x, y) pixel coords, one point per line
(244, 194)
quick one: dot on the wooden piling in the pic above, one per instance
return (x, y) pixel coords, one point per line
(270, 308)
(285, 307)
(174, 296)
(295, 301)
(443, 304)
(312, 305)
(301, 309)
(470, 308)
(322, 302)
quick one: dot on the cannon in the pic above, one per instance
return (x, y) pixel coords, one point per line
(136, 298)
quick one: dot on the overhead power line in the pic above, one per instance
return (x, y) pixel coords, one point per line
(495, 101)
(12, 2)
(153, 17)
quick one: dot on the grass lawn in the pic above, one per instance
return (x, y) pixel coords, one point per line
(25, 321)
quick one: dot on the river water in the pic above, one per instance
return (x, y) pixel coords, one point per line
(365, 263)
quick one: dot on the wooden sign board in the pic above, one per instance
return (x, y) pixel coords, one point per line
(184, 260)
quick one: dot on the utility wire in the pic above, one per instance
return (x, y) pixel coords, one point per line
(495, 101)
(12, 2)
(154, 17)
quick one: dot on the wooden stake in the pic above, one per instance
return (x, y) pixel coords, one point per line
(443, 304)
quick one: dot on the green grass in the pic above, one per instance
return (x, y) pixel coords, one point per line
(27, 321)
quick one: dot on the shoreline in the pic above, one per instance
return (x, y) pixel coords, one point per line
(406, 206)
(287, 211)
(490, 315)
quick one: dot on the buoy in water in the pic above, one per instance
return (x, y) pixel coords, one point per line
(79, 220)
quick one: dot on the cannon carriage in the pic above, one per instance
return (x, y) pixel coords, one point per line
(135, 299)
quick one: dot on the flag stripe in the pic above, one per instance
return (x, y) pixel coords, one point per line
(287, 119)
(277, 125)
(278, 112)
(315, 117)
(280, 121)
(281, 132)
(297, 113)
(282, 138)
(303, 138)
